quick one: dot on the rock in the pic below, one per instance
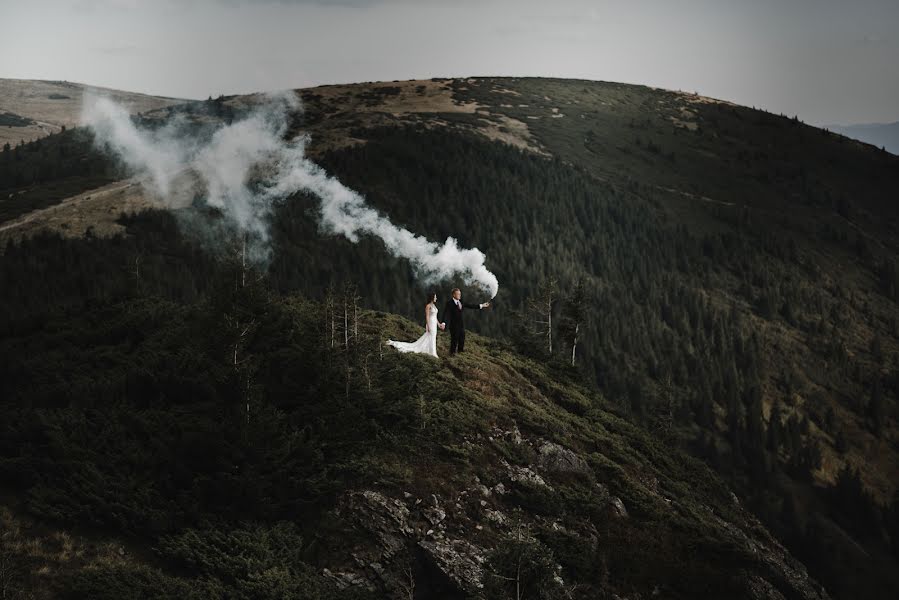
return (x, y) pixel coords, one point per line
(516, 435)
(496, 516)
(525, 475)
(388, 528)
(775, 562)
(348, 579)
(618, 508)
(760, 588)
(552, 457)
(434, 515)
(499, 488)
(460, 561)
(394, 508)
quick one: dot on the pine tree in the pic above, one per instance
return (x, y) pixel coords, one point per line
(876, 409)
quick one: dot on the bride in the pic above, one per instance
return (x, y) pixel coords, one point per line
(427, 343)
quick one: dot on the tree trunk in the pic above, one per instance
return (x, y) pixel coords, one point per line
(577, 327)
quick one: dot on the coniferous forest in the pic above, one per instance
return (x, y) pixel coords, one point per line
(739, 333)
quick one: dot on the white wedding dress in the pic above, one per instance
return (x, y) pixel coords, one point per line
(427, 343)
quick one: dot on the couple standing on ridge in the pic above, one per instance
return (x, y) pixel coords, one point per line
(452, 313)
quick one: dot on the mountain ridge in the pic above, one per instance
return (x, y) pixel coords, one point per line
(740, 267)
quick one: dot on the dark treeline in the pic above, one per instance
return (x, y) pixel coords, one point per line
(43, 172)
(136, 405)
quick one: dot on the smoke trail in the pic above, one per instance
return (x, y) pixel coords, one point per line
(255, 147)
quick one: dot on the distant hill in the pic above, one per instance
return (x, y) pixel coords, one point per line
(882, 135)
(31, 109)
(740, 273)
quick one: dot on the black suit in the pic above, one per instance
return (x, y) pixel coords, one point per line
(452, 316)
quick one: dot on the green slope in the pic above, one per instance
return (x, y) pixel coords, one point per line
(740, 267)
(133, 422)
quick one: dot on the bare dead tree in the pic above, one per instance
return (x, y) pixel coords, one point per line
(345, 319)
(356, 299)
(542, 309)
(136, 271)
(577, 328)
(342, 314)
(240, 331)
(243, 262)
(330, 322)
(574, 316)
(408, 586)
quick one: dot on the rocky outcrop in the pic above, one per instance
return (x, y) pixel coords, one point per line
(555, 458)
(459, 561)
(442, 543)
(783, 574)
(408, 537)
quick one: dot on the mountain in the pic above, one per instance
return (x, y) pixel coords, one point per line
(882, 135)
(738, 276)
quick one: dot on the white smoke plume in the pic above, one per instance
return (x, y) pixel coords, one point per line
(255, 148)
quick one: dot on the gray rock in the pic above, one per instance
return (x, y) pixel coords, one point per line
(460, 561)
(496, 516)
(761, 588)
(776, 563)
(516, 435)
(617, 506)
(347, 579)
(434, 515)
(552, 457)
(525, 475)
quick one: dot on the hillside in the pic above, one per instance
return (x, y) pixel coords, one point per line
(740, 268)
(32, 109)
(145, 459)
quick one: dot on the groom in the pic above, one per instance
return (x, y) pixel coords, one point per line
(453, 315)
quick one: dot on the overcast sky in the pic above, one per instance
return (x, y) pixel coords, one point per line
(825, 60)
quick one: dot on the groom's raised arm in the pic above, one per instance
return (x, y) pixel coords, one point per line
(470, 305)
